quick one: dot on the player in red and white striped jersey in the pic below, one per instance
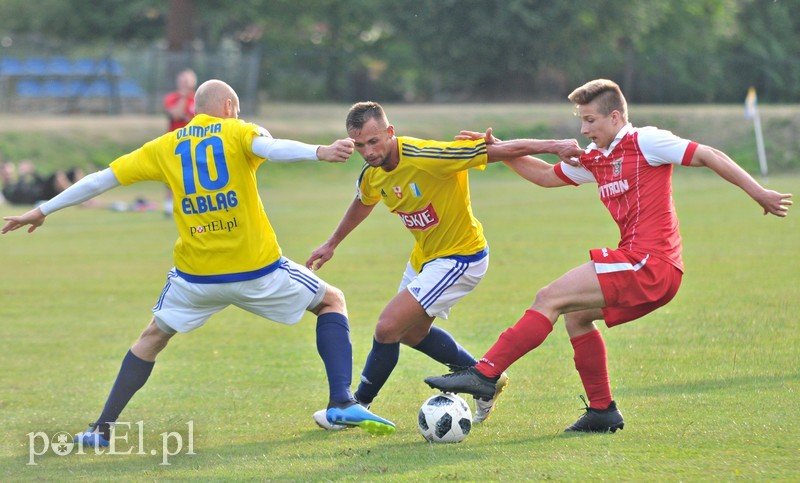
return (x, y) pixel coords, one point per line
(633, 170)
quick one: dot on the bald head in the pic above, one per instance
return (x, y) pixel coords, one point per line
(217, 99)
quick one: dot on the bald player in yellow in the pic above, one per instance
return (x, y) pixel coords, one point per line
(226, 253)
(425, 183)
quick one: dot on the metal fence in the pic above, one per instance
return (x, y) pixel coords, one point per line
(118, 82)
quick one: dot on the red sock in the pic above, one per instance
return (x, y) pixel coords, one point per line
(527, 334)
(592, 364)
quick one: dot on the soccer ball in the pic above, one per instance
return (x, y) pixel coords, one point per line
(445, 418)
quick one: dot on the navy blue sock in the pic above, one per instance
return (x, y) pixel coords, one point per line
(132, 375)
(333, 345)
(440, 346)
(379, 366)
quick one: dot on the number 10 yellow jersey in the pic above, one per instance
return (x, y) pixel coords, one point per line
(224, 232)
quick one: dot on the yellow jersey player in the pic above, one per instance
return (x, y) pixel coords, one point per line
(426, 184)
(227, 252)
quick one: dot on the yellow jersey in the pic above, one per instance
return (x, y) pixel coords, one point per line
(224, 234)
(429, 191)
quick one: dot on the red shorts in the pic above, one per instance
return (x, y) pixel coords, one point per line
(633, 284)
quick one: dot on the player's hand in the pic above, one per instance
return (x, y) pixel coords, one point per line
(338, 152)
(775, 203)
(319, 257)
(569, 151)
(34, 218)
(474, 135)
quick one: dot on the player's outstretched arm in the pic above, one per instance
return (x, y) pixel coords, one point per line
(337, 152)
(289, 151)
(535, 170)
(488, 136)
(355, 214)
(565, 149)
(34, 218)
(85, 189)
(771, 201)
(568, 150)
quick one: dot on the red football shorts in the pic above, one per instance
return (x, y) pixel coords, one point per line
(633, 284)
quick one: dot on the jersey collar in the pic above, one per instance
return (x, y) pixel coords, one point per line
(627, 128)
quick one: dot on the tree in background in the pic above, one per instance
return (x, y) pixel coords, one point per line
(448, 50)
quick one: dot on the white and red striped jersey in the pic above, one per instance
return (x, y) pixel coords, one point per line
(634, 178)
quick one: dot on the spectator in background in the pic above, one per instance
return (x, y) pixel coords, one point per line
(23, 185)
(179, 106)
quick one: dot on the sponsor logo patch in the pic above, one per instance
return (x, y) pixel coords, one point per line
(214, 225)
(420, 220)
(613, 189)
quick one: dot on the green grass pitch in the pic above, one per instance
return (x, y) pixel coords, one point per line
(708, 384)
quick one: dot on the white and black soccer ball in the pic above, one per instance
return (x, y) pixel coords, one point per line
(445, 418)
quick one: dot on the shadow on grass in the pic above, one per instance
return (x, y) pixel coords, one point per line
(312, 455)
(713, 384)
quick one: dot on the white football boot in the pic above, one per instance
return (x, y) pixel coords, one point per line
(484, 408)
(320, 417)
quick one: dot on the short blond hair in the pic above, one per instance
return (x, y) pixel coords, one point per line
(606, 92)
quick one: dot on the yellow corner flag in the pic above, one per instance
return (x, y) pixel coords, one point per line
(750, 103)
(751, 113)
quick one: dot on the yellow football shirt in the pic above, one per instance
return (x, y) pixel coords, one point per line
(429, 191)
(224, 234)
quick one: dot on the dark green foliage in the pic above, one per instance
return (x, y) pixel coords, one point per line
(459, 50)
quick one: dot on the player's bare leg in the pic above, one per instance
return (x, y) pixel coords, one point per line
(405, 321)
(152, 341)
(402, 318)
(578, 289)
(575, 290)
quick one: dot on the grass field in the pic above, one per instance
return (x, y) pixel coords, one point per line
(708, 384)
(52, 141)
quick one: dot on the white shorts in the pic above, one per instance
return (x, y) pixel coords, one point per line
(282, 295)
(444, 281)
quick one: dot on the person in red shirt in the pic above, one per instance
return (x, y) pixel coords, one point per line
(633, 170)
(179, 106)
